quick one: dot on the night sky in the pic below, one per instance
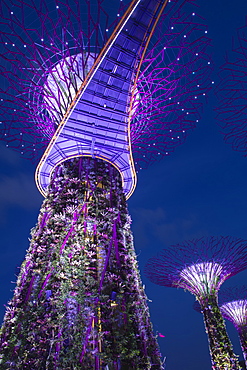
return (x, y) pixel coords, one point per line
(199, 190)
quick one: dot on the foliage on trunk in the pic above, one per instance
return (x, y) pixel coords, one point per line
(79, 302)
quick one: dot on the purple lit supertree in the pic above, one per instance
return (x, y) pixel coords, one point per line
(90, 102)
(233, 305)
(201, 266)
(231, 92)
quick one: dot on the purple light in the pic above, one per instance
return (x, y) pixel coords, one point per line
(203, 278)
(97, 122)
(235, 311)
(62, 84)
(199, 265)
(233, 305)
(79, 282)
(84, 87)
(171, 71)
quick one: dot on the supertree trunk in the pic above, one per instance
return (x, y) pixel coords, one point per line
(242, 334)
(79, 302)
(222, 355)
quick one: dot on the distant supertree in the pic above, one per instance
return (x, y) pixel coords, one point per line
(201, 266)
(232, 94)
(90, 92)
(233, 305)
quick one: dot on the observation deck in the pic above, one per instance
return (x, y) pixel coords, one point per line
(97, 123)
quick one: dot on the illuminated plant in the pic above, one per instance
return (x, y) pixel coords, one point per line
(231, 92)
(201, 266)
(87, 91)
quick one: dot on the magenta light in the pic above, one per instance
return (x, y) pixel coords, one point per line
(171, 88)
(199, 265)
(202, 278)
(236, 311)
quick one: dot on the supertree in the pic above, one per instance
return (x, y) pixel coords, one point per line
(92, 102)
(201, 266)
(233, 305)
(231, 93)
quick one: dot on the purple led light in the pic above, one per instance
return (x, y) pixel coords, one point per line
(236, 311)
(202, 278)
(79, 283)
(233, 304)
(174, 70)
(199, 265)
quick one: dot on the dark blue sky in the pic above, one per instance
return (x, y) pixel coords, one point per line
(201, 189)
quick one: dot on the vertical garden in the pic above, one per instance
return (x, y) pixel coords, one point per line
(79, 302)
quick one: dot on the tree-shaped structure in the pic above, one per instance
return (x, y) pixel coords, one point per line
(48, 49)
(88, 93)
(231, 92)
(201, 266)
(233, 305)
